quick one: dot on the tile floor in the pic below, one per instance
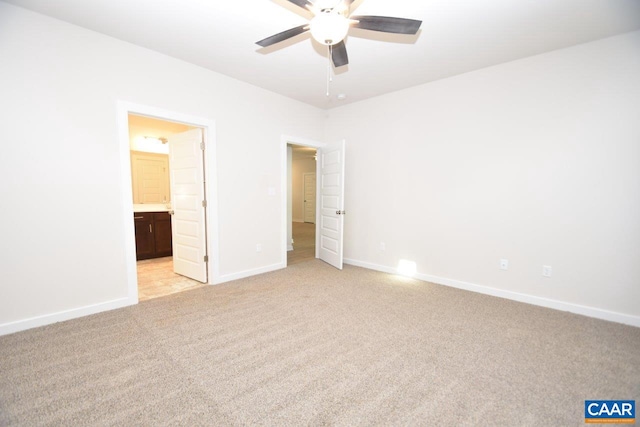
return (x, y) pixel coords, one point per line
(156, 279)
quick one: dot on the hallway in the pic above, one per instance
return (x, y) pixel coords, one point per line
(304, 243)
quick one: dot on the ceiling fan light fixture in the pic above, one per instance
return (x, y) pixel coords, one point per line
(329, 27)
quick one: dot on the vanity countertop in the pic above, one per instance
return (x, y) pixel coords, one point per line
(151, 207)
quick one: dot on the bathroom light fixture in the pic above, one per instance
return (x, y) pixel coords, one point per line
(160, 140)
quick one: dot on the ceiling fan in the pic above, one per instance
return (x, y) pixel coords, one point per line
(331, 22)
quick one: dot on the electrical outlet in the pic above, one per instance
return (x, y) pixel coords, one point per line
(504, 264)
(383, 246)
(546, 270)
(258, 247)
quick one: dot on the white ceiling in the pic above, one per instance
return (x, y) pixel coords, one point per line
(457, 36)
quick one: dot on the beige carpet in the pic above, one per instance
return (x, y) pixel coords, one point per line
(310, 345)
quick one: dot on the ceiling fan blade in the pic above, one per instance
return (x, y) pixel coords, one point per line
(339, 54)
(302, 3)
(387, 24)
(277, 38)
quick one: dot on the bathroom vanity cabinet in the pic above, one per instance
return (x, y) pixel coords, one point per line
(153, 234)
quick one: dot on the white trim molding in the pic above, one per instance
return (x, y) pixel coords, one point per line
(248, 273)
(61, 316)
(596, 313)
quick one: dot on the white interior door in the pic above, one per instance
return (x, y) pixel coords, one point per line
(331, 203)
(309, 183)
(188, 203)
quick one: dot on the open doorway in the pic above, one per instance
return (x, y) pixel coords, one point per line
(302, 178)
(330, 172)
(153, 206)
(208, 206)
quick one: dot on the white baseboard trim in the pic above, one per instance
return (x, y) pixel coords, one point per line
(47, 319)
(61, 316)
(597, 313)
(248, 273)
(290, 247)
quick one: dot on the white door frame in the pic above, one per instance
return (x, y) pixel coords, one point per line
(284, 188)
(210, 174)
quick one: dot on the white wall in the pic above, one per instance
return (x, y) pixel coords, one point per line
(536, 161)
(300, 167)
(62, 228)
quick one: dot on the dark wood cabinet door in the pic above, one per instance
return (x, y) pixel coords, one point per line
(145, 246)
(162, 230)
